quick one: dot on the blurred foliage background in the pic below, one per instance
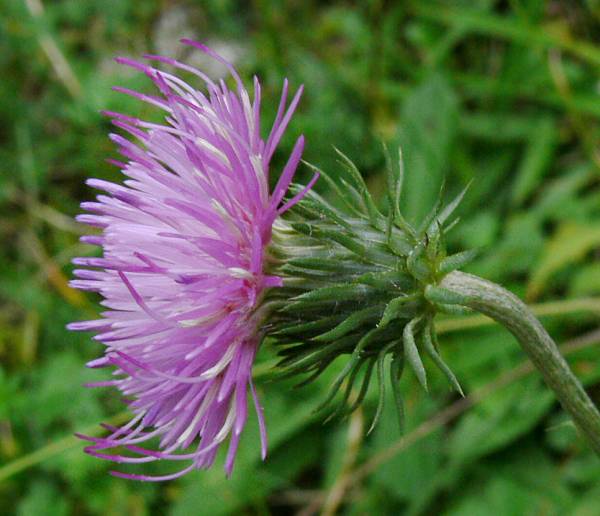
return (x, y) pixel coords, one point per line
(504, 93)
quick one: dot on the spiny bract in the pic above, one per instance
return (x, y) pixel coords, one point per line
(356, 282)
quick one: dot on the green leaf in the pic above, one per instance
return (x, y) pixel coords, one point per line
(570, 243)
(408, 476)
(516, 252)
(62, 379)
(499, 127)
(587, 505)
(500, 419)
(586, 280)
(43, 498)
(521, 481)
(428, 124)
(536, 161)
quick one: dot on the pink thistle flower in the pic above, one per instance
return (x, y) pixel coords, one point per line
(183, 266)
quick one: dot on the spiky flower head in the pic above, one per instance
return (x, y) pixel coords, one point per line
(360, 281)
(183, 266)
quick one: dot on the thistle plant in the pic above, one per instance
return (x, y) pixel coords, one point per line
(201, 263)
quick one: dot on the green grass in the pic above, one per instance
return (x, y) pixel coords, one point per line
(503, 94)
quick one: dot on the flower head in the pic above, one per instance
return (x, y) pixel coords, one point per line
(183, 266)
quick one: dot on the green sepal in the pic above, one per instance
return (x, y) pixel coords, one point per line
(308, 360)
(354, 195)
(381, 389)
(433, 214)
(452, 205)
(324, 264)
(351, 323)
(372, 210)
(396, 370)
(457, 261)
(453, 309)
(430, 348)
(346, 396)
(386, 280)
(334, 186)
(315, 205)
(433, 250)
(302, 328)
(416, 266)
(412, 353)
(346, 241)
(334, 294)
(364, 387)
(393, 309)
(395, 184)
(444, 296)
(315, 373)
(450, 226)
(399, 245)
(352, 362)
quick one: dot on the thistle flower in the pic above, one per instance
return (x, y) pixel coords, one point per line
(198, 266)
(183, 270)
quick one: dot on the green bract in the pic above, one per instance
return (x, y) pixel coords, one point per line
(357, 281)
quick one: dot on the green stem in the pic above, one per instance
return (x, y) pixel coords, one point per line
(562, 308)
(507, 309)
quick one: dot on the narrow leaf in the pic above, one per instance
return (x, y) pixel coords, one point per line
(536, 161)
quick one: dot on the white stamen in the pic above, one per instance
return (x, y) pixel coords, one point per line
(228, 422)
(207, 400)
(212, 149)
(188, 323)
(219, 366)
(238, 272)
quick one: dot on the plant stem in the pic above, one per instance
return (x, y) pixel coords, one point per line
(562, 308)
(507, 309)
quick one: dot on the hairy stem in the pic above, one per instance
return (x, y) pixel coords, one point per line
(507, 309)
